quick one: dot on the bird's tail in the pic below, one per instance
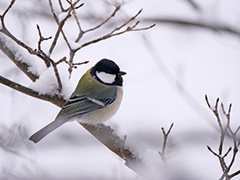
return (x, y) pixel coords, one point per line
(46, 130)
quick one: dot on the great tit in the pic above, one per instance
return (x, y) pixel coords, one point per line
(96, 98)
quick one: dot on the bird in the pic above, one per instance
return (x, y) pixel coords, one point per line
(96, 98)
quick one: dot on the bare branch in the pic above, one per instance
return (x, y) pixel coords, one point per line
(216, 27)
(6, 11)
(127, 22)
(61, 6)
(41, 38)
(223, 133)
(165, 138)
(20, 64)
(52, 10)
(5, 31)
(102, 23)
(225, 155)
(60, 26)
(234, 174)
(210, 149)
(72, 8)
(144, 28)
(29, 49)
(57, 76)
(78, 24)
(72, 65)
(112, 34)
(62, 22)
(18, 87)
(229, 111)
(132, 28)
(222, 130)
(206, 99)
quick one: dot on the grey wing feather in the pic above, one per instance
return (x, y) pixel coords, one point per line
(78, 105)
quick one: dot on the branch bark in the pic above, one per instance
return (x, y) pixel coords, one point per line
(59, 101)
(12, 55)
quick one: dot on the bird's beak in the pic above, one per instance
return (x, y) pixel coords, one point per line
(121, 73)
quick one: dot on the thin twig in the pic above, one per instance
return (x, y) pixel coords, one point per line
(61, 6)
(165, 138)
(228, 151)
(6, 11)
(102, 23)
(53, 12)
(80, 34)
(59, 30)
(73, 7)
(41, 38)
(112, 34)
(210, 149)
(73, 65)
(207, 101)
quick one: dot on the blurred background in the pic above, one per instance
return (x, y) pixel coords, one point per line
(193, 50)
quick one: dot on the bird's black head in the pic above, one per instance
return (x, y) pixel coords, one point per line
(107, 72)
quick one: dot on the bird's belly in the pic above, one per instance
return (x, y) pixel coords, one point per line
(103, 114)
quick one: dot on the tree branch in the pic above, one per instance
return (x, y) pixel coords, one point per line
(12, 55)
(112, 141)
(165, 138)
(60, 28)
(216, 27)
(116, 32)
(59, 101)
(224, 129)
(102, 23)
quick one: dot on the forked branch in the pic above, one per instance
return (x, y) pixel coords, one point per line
(225, 131)
(165, 138)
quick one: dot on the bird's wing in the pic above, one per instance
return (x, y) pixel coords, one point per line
(79, 104)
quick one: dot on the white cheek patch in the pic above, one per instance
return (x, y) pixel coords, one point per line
(105, 77)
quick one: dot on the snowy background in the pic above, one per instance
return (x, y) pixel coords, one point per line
(170, 69)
